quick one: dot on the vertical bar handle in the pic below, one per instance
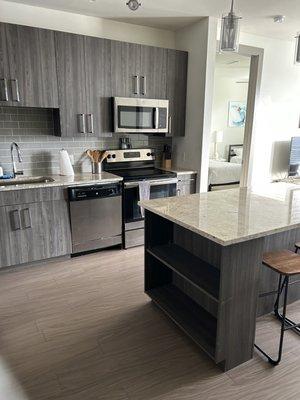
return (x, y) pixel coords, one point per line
(156, 117)
(4, 89)
(170, 125)
(15, 90)
(81, 123)
(136, 84)
(15, 220)
(26, 218)
(144, 86)
(90, 123)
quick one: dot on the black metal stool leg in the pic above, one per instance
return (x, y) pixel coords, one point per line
(284, 285)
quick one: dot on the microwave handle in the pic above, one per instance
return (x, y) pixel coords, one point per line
(156, 117)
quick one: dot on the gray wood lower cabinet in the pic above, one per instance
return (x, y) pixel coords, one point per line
(186, 184)
(34, 231)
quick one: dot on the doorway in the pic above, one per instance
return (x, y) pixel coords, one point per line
(229, 110)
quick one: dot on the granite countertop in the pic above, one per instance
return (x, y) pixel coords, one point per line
(63, 181)
(234, 215)
(179, 171)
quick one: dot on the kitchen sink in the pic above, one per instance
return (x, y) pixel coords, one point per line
(26, 180)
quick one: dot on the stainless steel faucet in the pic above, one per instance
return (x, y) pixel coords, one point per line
(15, 170)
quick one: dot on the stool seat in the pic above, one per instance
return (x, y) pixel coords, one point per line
(297, 245)
(285, 262)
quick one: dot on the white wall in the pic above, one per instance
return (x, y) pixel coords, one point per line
(227, 89)
(278, 109)
(85, 25)
(199, 40)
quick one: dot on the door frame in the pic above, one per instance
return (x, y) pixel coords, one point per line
(256, 65)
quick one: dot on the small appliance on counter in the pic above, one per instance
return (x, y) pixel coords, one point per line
(167, 157)
(140, 180)
(125, 143)
(65, 165)
(97, 157)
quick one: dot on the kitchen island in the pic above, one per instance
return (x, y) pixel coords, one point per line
(203, 267)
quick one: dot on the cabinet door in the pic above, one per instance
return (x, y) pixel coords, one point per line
(4, 68)
(32, 66)
(70, 58)
(125, 69)
(33, 232)
(98, 79)
(176, 90)
(153, 76)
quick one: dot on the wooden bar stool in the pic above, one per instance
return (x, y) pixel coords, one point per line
(286, 263)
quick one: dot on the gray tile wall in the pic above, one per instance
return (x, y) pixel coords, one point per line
(33, 130)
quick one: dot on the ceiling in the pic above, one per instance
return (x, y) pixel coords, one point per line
(175, 14)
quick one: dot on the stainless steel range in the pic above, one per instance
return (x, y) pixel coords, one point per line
(136, 166)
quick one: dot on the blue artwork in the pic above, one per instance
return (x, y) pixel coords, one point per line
(237, 114)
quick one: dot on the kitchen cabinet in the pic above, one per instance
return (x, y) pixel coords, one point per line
(125, 69)
(84, 77)
(153, 76)
(186, 184)
(176, 90)
(27, 67)
(98, 84)
(71, 73)
(34, 231)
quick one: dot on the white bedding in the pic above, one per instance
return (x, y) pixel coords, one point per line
(236, 159)
(223, 172)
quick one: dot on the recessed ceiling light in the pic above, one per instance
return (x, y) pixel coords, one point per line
(133, 4)
(279, 19)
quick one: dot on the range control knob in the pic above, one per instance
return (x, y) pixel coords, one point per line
(109, 156)
(152, 154)
(148, 154)
(113, 156)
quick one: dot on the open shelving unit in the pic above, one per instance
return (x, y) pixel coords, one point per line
(182, 284)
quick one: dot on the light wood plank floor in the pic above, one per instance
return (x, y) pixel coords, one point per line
(84, 329)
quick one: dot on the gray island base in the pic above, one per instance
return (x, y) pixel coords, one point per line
(213, 288)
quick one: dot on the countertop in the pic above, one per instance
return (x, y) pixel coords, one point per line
(235, 215)
(179, 171)
(64, 181)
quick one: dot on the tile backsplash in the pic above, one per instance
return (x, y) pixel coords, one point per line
(33, 130)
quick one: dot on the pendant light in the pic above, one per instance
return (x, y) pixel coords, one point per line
(230, 32)
(297, 52)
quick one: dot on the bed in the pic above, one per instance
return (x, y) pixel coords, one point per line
(226, 173)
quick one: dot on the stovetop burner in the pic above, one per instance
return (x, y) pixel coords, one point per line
(143, 174)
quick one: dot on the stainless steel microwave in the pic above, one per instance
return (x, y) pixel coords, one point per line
(133, 115)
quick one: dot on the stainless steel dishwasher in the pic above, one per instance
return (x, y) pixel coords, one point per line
(96, 216)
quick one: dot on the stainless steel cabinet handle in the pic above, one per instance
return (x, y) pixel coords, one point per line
(170, 125)
(81, 123)
(4, 89)
(144, 86)
(156, 116)
(26, 218)
(15, 221)
(15, 90)
(178, 191)
(90, 123)
(136, 84)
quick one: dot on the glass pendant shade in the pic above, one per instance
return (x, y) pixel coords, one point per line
(297, 52)
(230, 32)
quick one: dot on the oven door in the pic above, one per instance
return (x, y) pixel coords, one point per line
(140, 115)
(158, 189)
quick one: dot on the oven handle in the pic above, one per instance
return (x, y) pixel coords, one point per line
(152, 183)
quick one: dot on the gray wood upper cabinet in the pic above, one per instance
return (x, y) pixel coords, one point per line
(176, 90)
(71, 74)
(27, 67)
(98, 85)
(153, 76)
(125, 69)
(34, 231)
